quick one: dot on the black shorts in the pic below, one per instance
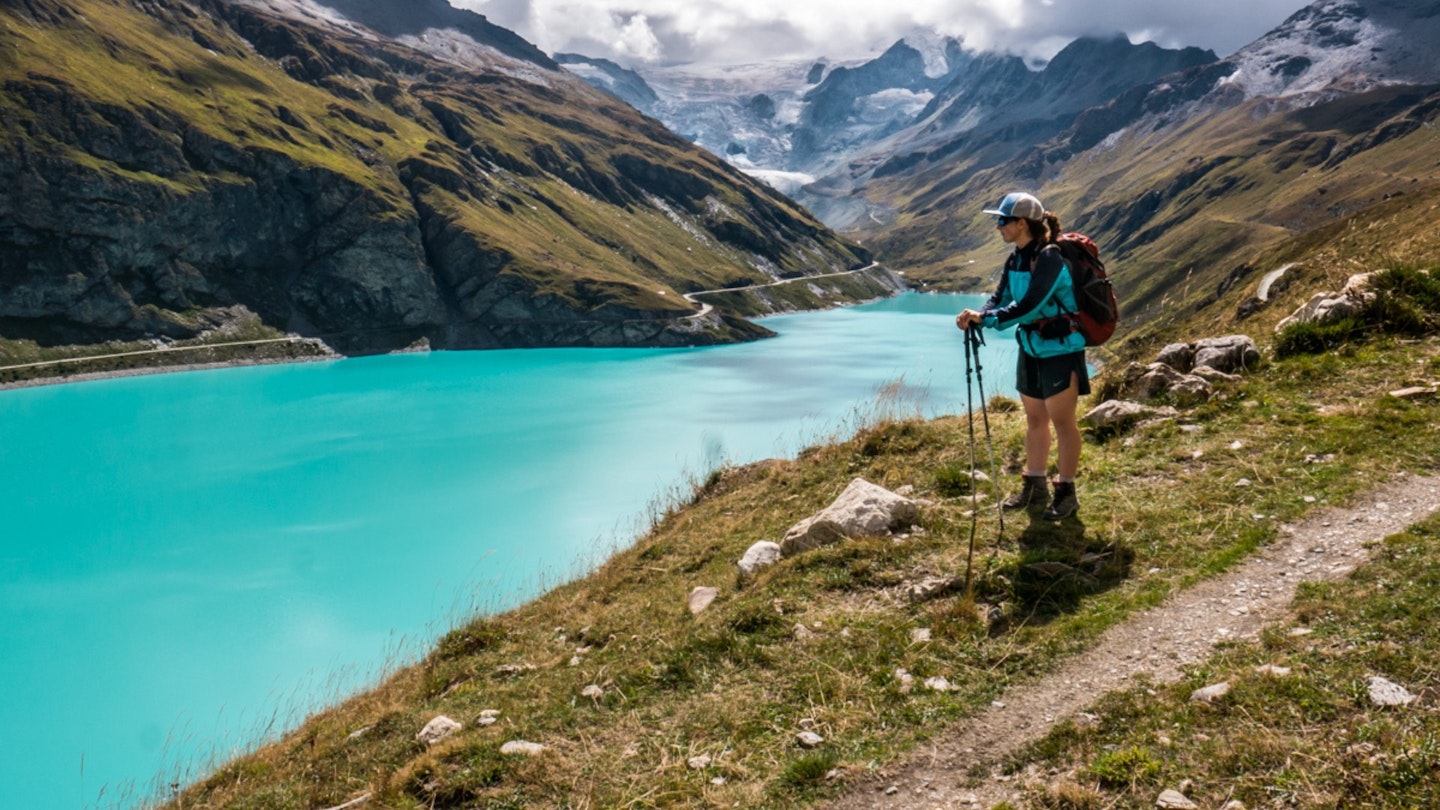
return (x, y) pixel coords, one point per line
(1044, 377)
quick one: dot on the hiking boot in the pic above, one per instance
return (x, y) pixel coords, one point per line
(1065, 503)
(1034, 491)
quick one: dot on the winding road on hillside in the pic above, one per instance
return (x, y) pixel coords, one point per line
(1159, 643)
(705, 309)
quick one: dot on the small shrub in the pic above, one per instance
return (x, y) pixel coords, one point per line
(1070, 796)
(1315, 338)
(1406, 302)
(1412, 284)
(893, 438)
(756, 618)
(1125, 767)
(808, 771)
(954, 480)
(473, 638)
(1003, 404)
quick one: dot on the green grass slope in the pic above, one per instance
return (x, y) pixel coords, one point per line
(704, 711)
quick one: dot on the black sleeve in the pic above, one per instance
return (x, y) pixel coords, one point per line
(1043, 278)
(999, 294)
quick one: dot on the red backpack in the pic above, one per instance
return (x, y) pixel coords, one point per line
(1098, 311)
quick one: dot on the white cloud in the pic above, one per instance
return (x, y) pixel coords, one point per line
(733, 31)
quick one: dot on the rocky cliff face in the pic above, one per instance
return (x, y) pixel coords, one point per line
(164, 161)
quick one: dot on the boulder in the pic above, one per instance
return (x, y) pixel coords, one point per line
(437, 730)
(1229, 354)
(1179, 356)
(759, 556)
(1213, 375)
(1330, 307)
(863, 509)
(1121, 414)
(1161, 379)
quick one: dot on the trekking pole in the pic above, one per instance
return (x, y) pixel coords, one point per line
(974, 490)
(979, 340)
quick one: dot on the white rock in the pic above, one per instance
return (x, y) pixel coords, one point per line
(718, 781)
(862, 510)
(1211, 693)
(1388, 693)
(699, 763)
(919, 635)
(938, 684)
(907, 681)
(522, 748)
(1121, 414)
(593, 692)
(809, 739)
(758, 556)
(1229, 354)
(700, 598)
(1175, 800)
(437, 730)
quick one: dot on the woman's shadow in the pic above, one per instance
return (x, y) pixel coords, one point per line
(1059, 564)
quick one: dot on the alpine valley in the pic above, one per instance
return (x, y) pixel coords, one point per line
(367, 176)
(371, 176)
(1185, 167)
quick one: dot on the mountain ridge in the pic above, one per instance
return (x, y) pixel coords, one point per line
(338, 183)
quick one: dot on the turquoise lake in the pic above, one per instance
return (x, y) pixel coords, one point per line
(190, 563)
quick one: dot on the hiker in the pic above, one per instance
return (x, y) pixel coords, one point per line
(1034, 293)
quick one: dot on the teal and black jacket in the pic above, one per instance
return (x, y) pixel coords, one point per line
(1035, 292)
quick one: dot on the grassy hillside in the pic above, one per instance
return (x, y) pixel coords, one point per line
(703, 711)
(163, 162)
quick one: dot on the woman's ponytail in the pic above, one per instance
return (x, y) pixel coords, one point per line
(1052, 226)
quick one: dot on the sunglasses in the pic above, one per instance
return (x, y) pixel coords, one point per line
(1001, 222)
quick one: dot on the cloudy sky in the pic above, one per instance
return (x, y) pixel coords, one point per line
(736, 31)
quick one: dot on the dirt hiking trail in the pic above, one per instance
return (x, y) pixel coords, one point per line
(1326, 545)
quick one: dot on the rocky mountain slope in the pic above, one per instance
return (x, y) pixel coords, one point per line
(1185, 179)
(791, 123)
(345, 171)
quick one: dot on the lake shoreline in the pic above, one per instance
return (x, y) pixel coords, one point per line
(143, 371)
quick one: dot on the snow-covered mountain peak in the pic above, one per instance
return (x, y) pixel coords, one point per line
(1341, 44)
(942, 53)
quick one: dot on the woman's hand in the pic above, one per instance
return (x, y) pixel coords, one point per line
(967, 319)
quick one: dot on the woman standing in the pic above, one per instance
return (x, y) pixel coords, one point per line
(1035, 294)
